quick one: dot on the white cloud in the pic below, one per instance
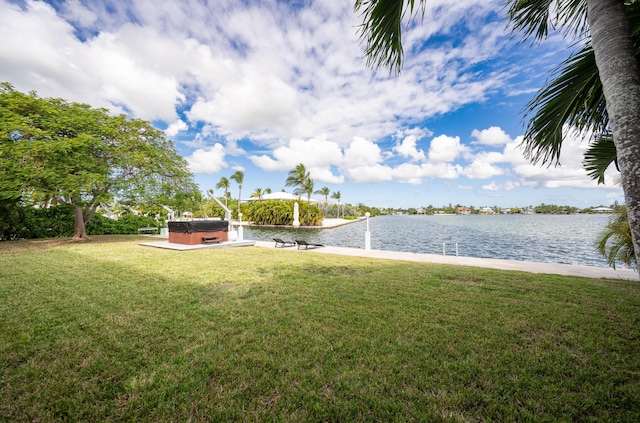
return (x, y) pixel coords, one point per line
(207, 161)
(174, 128)
(482, 170)
(492, 136)
(314, 153)
(441, 170)
(76, 12)
(444, 148)
(361, 153)
(407, 147)
(370, 174)
(407, 173)
(491, 187)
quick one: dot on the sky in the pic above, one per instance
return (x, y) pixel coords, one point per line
(261, 86)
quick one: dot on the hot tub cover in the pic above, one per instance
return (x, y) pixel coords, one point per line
(191, 226)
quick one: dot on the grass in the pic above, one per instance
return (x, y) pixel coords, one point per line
(112, 331)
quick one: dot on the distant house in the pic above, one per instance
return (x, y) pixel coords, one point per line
(486, 210)
(463, 210)
(602, 210)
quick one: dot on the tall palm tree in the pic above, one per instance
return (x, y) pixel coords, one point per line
(224, 183)
(307, 188)
(607, 24)
(297, 177)
(238, 176)
(324, 191)
(337, 196)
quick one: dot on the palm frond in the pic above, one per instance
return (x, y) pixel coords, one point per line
(599, 156)
(381, 31)
(534, 18)
(574, 98)
(615, 242)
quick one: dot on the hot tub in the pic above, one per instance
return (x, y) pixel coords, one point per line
(193, 232)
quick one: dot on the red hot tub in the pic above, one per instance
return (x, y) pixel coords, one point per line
(193, 232)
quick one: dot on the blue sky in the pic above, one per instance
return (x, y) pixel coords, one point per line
(262, 86)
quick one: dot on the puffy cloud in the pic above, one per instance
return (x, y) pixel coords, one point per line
(362, 152)
(408, 173)
(177, 126)
(492, 136)
(408, 148)
(444, 148)
(314, 153)
(207, 160)
(370, 174)
(482, 170)
(440, 170)
(252, 101)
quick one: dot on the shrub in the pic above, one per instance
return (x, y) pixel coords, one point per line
(25, 222)
(276, 212)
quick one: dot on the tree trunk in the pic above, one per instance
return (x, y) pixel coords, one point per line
(79, 231)
(616, 61)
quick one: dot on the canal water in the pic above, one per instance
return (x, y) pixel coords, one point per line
(568, 239)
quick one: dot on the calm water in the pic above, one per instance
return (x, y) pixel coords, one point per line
(543, 238)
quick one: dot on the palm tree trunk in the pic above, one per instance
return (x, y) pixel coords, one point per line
(239, 196)
(613, 48)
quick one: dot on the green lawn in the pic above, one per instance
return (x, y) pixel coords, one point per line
(112, 331)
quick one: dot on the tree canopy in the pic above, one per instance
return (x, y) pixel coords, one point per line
(70, 153)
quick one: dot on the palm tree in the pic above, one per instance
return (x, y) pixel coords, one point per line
(606, 22)
(615, 242)
(258, 193)
(336, 195)
(238, 176)
(267, 191)
(324, 191)
(307, 188)
(297, 177)
(224, 183)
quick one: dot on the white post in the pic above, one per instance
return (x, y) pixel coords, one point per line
(240, 229)
(456, 249)
(444, 252)
(367, 234)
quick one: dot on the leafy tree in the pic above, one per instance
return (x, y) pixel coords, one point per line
(607, 25)
(238, 176)
(324, 191)
(224, 184)
(73, 154)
